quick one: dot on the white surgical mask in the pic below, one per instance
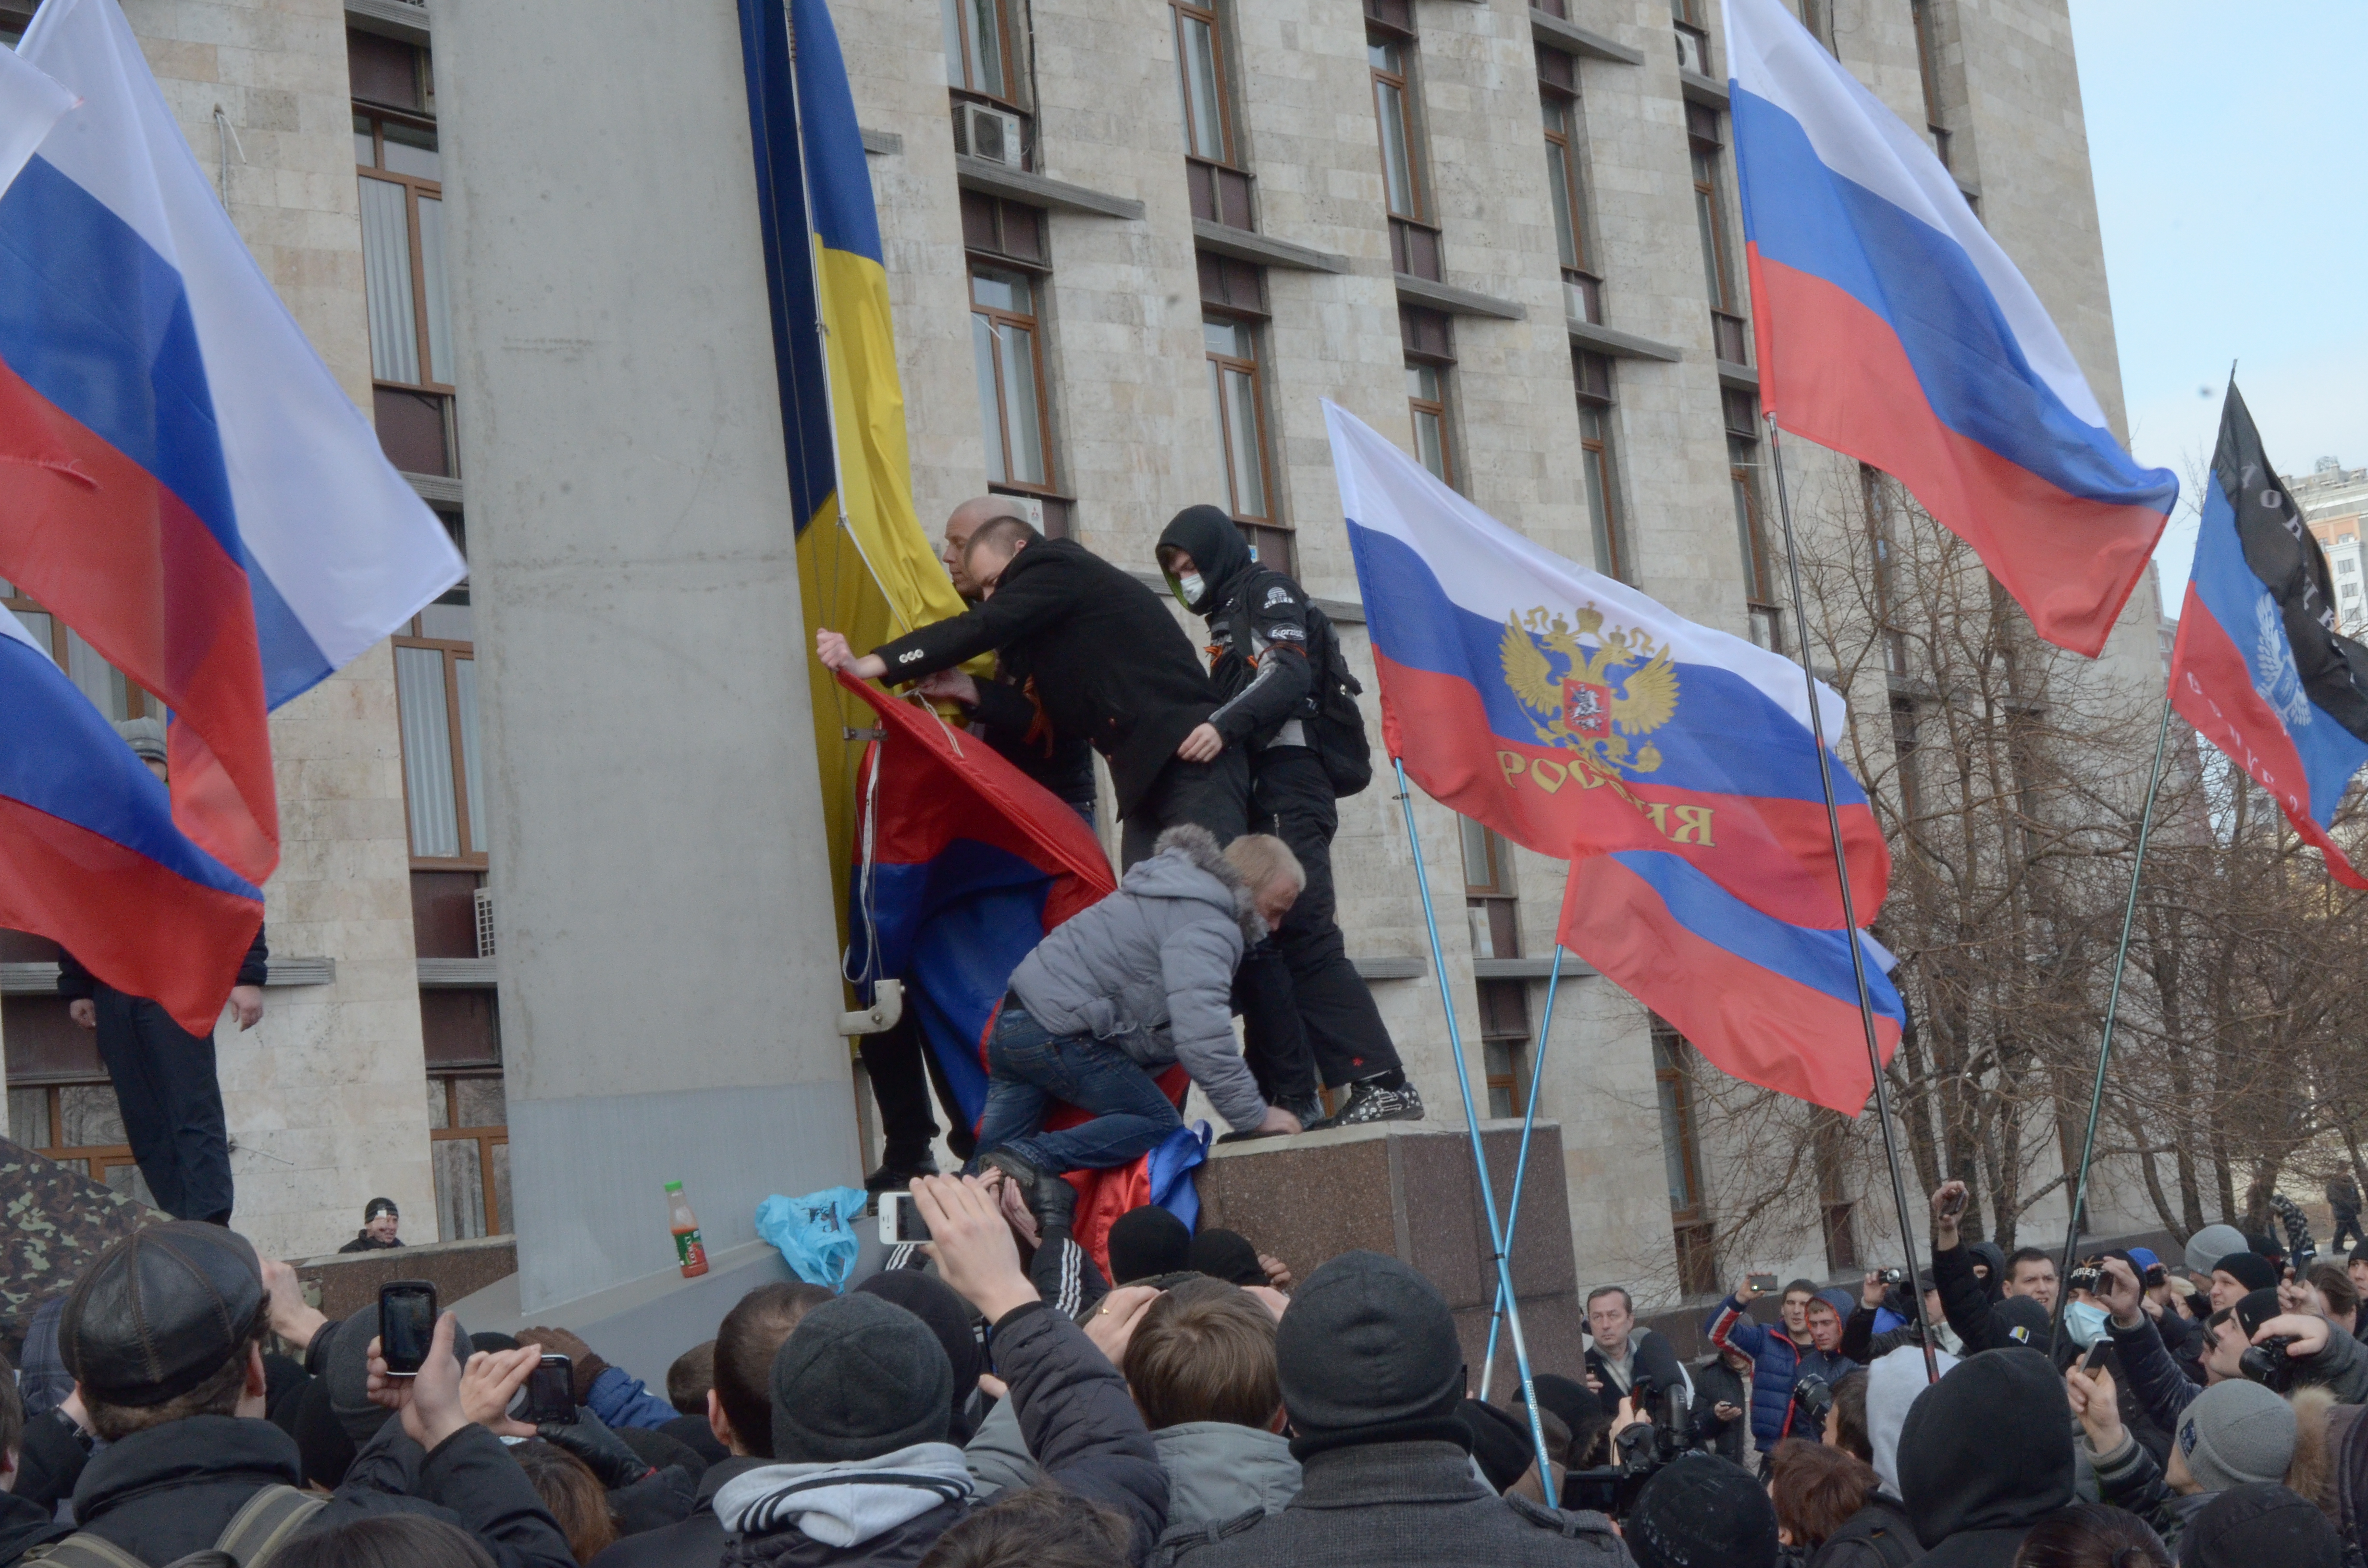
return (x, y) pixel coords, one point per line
(1188, 588)
(2085, 1321)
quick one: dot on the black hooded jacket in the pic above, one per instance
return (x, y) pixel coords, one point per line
(1109, 661)
(1261, 633)
(1986, 1454)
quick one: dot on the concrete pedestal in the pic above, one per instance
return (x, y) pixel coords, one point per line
(1409, 1191)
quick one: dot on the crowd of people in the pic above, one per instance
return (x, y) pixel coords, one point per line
(994, 1399)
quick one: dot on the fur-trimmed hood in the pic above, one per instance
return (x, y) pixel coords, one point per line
(1198, 847)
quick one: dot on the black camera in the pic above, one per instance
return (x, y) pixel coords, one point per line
(1894, 1276)
(2088, 1277)
(1638, 1452)
(2268, 1363)
(1812, 1398)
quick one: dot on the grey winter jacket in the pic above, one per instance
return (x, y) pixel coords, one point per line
(1150, 970)
(1216, 1470)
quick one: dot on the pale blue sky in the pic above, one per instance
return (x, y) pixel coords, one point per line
(2230, 144)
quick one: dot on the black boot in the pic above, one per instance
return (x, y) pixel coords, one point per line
(1052, 1201)
(896, 1172)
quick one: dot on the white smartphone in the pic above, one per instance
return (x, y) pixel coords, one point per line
(899, 1221)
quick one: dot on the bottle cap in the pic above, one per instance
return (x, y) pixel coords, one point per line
(674, 1186)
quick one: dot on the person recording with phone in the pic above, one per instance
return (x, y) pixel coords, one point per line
(163, 1334)
(1805, 1345)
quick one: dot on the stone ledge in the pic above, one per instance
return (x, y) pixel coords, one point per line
(432, 487)
(1456, 302)
(1572, 38)
(1700, 89)
(341, 1284)
(41, 979)
(1618, 345)
(1035, 190)
(1341, 612)
(1573, 968)
(1741, 377)
(394, 18)
(437, 973)
(1247, 244)
(887, 143)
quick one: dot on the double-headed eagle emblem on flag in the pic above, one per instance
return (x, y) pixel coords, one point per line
(1602, 698)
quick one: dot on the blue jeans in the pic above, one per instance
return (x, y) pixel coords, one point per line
(1029, 1068)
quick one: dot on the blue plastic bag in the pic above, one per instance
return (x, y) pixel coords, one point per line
(815, 1233)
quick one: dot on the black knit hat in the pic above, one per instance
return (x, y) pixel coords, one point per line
(1701, 1512)
(2255, 1308)
(2250, 1526)
(1228, 1256)
(1368, 1342)
(1146, 1243)
(160, 1311)
(1500, 1442)
(858, 1378)
(950, 1317)
(2018, 1320)
(2249, 1269)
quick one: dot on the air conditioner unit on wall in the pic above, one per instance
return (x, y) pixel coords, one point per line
(990, 134)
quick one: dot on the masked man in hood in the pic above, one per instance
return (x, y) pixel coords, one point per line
(1271, 654)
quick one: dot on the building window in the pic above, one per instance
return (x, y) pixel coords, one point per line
(443, 752)
(1495, 914)
(1835, 1204)
(1389, 51)
(1728, 329)
(1009, 362)
(1233, 394)
(1582, 291)
(403, 252)
(1905, 739)
(1693, 35)
(109, 689)
(1817, 16)
(61, 1104)
(1742, 413)
(1682, 1161)
(978, 48)
(1883, 547)
(1220, 190)
(1927, 64)
(1427, 402)
(469, 1143)
(1592, 372)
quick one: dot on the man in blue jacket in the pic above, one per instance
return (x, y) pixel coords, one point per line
(1781, 1357)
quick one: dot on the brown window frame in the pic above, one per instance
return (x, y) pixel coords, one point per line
(1504, 1005)
(1686, 15)
(1401, 82)
(1581, 285)
(138, 703)
(1181, 12)
(1837, 1208)
(473, 856)
(380, 115)
(1012, 74)
(97, 1159)
(1730, 327)
(1690, 1224)
(486, 1138)
(1591, 378)
(1739, 413)
(1032, 323)
(1220, 363)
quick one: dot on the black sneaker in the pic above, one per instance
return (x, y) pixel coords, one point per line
(1369, 1101)
(896, 1175)
(1052, 1201)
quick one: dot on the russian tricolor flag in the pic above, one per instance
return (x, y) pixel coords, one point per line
(1672, 765)
(189, 486)
(89, 856)
(963, 864)
(1892, 328)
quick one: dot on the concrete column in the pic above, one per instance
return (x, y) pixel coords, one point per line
(667, 945)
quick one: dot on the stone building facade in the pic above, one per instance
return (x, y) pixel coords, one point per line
(1131, 247)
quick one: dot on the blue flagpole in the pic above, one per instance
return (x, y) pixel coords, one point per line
(1850, 914)
(1521, 1165)
(1479, 1157)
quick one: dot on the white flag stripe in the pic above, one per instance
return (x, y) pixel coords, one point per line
(1492, 572)
(1855, 135)
(31, 102)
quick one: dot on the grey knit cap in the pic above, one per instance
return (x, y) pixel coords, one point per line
(146, 737)
(858, 1377)
(2210, 1244)
(2236, 1433)
(1367, 1341)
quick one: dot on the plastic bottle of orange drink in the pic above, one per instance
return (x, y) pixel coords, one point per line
(687, 1247)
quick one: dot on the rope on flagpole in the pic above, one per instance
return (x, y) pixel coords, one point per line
(2105, 1047)
(1479, 1158)
(1850, 914)
(1521, 1165)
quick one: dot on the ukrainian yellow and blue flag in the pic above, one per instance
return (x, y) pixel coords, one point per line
(865, 566)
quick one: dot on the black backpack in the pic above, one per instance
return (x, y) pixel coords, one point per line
(253, 1538)
(1337, 730)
